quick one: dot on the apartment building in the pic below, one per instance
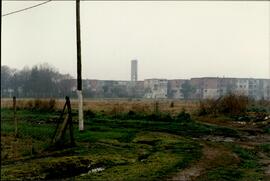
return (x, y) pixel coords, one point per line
(205, 88)
(175, 87)
(156, 88)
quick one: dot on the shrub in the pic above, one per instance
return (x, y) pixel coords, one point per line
(264, 103)
(228, 105)
(52, 104)
(29, 104)
(202, 109)
(265, 148)
(206, 107)
(89, 114)
(159, 117)
(43, 105)
(37, 103)
(183, 116)
(116, 111)
(233, 104)
(140, 108)
(133, 115)
(257, 108)
(267, 129)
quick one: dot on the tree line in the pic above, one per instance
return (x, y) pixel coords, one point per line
(40, 81)
(45, 81)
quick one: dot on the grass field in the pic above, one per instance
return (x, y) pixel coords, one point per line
(110, 106)
(132, 147)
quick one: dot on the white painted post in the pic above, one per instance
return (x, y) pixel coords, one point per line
(79, 66)
(80, 105)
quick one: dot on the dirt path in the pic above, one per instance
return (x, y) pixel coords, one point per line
(212, 153)
(190, 173)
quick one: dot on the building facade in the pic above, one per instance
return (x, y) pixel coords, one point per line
(156, 88)
(203, 88)
(175, 88)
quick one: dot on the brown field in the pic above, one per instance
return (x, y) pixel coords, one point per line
(115, 105)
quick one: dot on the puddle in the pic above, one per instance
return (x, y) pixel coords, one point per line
(148, 142)
(93, 170)
(218, 139)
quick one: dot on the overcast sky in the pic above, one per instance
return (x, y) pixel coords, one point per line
(170, 39)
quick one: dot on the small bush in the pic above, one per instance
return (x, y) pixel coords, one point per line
(228, 105)
(183, 116)
(89, 114)
(265, 148)
(257, 109)
(233, 104)
(131, 113)
(167, 117)
(267, 129)
(265, 104)
(52, 104)
(134, 115)
(116, 111)
(37, 103)
(138, 108)
(29, 104)
(202, 109)
(159, 117)
(42, 105)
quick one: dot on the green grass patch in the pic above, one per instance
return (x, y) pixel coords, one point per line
(128, 149)
(265, 148)
(231, 173)
(29, 115)
(132, 160)
(189, 128)
(157, 154)
(248, 158)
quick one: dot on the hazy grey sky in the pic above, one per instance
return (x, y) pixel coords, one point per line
(169, 39)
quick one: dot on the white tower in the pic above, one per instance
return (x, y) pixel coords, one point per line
(134, 70)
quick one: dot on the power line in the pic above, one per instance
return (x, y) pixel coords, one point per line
(140, 0)
(24, 9)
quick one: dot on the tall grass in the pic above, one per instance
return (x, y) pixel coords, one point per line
(228, 105)
(109, 106)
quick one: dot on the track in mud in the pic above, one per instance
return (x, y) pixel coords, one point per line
(212, 153)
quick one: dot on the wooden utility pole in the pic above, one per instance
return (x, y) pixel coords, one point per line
(79, 67)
